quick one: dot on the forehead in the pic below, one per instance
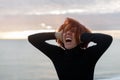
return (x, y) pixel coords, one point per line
(68, 27)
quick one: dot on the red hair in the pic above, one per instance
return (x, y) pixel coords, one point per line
(71, 23)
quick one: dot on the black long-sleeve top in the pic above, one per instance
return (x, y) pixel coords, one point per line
(76, 63)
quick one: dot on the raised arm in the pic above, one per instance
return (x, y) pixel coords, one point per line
(102, 41)
(39, 41)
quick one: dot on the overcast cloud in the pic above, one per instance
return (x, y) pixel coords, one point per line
(38, 7)
(18, 15)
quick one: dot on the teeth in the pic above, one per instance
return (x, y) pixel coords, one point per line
(68, 39)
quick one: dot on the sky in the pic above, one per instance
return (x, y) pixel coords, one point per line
(38, 7)
(28, 15)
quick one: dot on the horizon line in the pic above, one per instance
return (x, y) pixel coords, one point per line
(19, 35)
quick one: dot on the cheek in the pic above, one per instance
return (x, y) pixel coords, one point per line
(74, 38)
(63, 36)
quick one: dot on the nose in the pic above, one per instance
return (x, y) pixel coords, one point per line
(68, 32)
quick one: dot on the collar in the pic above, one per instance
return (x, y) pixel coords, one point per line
(73, 49)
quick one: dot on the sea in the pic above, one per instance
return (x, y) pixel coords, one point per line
(19, 60)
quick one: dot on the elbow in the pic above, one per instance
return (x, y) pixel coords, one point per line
(110, 38)
(30, 39)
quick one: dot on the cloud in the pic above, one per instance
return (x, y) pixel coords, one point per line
(28, 14)
(43, 7)
(106, 6)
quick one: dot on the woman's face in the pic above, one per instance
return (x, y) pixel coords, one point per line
(69, 39)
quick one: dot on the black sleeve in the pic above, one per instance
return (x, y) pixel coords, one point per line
(39, 41)
(102, 41)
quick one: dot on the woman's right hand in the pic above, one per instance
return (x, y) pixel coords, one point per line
(58, 35)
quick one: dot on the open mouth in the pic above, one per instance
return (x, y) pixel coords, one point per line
(68, 40)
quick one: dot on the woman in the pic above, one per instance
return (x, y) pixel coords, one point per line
(73, 59)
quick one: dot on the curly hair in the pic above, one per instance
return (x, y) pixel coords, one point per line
(71, 23)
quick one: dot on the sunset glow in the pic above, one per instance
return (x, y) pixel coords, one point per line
(24, 34)
(20, 34)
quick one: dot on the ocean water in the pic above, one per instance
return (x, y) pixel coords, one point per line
(19, 60)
